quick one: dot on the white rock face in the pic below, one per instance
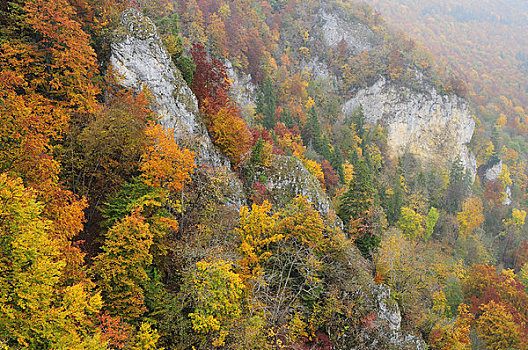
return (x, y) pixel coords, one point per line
(243, 91)
(433, 127)
(388, 310)
(357, 35)
(494, 172)
(140, 60)
(320, 72)
(507, 200)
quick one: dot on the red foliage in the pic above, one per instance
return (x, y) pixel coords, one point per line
(113, 331)
(492, 193)
(260, 193)
(265, 135)
(321, 342)
(368, 321)
(484, 284)
(211, 86)
(210, 81)
(330, 175)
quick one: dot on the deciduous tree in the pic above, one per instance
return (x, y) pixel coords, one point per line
(164, 163)
(120, 270)
(38, 311)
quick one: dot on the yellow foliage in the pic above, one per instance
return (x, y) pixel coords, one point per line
(306, 36)
(146, 338)
(505, 176)
(309, 104)
(305, 52)
(453, 335)
(348, 171)
(224, 11)
(501, 121)
(314, 168)
(217, 292)
(489, 150)
(411, 223)
(497, 326)
(297, 329)
(471, 216)
(375, 155)
(257, 230)
(440, 304)
(164, 163)
(516, 222)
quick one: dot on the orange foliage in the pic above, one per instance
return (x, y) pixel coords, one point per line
(230, 133)
(65, 53)
(483, 284)
(289, 139)
(455, 335)
(114, 332)
(164, 163)
(222, 117)
(47, 74)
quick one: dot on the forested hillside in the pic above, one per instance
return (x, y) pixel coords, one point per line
(256, 174)
(485, 44)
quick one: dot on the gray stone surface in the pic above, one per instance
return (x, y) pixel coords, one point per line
(494, 172)
(335, 28)
(433, 127)
(289, 178)
(243, 91)
(387, 310)
(140, 60)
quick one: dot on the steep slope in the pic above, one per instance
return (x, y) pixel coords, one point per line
(434, 127)
(141, 62)
(139, 58)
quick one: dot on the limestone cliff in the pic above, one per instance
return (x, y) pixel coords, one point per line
(336, 28)
(140, 61)
(433, 127)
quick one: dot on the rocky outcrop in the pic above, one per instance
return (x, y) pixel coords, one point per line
(288, 178)
(433, 127)
(140, 61)
(334, 28)
(493, 173)
(243, 91)
(389, 314)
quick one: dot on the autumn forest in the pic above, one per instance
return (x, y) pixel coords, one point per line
(232, 174)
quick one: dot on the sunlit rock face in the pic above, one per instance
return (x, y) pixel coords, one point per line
(433, 127)
(141, 62)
